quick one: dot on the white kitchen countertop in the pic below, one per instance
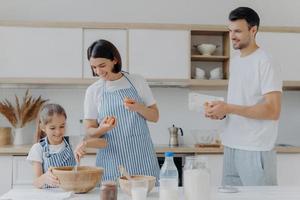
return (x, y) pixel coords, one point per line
(245, 193)
(160, 149)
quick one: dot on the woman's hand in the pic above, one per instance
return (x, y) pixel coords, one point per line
(132, 105)
(108, 123)
(50, 179)
(80, 151)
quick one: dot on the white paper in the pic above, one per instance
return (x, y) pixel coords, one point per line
(35, 194)
(197, 101)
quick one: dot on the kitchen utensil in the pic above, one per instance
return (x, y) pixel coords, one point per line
(92, 143)
(124, 172)
(126, 186)
(173, 141)
(83, 181)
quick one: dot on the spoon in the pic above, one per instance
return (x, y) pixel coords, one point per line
(124, 172)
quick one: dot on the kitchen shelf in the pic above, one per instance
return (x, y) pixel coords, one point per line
(36, 82)
(219, 59)
(209, 58)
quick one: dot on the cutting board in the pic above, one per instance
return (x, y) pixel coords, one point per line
(208, 145)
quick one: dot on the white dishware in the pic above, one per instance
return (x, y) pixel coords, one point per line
(206, 49)
(216, 73)
(200, 73)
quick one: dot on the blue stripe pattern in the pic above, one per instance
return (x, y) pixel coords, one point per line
(60, 159)
(129, 143)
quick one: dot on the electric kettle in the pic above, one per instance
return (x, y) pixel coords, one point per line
(173, 141)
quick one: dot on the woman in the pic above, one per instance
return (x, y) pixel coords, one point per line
(116, 108)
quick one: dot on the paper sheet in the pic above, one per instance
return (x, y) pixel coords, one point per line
(35, 194)
(197, 100)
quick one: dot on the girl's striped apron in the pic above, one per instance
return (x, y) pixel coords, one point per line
(129, 143)
(60, 159)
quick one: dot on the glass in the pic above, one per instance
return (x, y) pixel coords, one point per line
(108, 191)
(139, 189)
(196, 180)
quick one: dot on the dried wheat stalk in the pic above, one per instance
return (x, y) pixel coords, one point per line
(20, 115)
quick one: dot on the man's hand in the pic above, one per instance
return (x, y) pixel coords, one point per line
(215, 110)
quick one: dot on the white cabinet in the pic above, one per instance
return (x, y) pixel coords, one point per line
(40, 52)
(160, 54)
(5, 174)
(288, 169)
(284, 48)
(22, 171)
(116, 36)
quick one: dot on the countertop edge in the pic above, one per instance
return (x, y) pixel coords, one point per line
(159, 149)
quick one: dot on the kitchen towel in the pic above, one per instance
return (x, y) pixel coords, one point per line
(35, 194)
(197, 100)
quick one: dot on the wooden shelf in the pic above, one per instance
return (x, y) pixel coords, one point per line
(16, 82)
(209, 58)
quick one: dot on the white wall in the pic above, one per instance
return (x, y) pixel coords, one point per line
(273, 13)
(173, 107)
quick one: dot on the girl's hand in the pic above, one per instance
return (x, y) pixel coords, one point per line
(108, 123)
(50, 179)
(80, 151)
(131, 104)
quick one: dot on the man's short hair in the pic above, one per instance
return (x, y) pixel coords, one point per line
(247, 14)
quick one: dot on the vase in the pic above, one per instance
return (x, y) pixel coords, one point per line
(19, 136)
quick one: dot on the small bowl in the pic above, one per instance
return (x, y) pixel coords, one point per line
(206, 49)
(82, 181)
(126, 187)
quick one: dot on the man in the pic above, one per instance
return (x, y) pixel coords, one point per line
(252, 109)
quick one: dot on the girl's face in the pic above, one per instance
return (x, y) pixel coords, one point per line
(103, 68)
(55, 129)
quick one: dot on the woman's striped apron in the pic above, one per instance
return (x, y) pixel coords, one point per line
(129, 143)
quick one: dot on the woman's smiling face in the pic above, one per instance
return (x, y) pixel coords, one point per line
(103, 67)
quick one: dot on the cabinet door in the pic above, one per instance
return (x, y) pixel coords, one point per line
(115, 36)
(22, 171)
(284, 48)
(40, 52)
(159, 54)
(5, 174)
(288, 166)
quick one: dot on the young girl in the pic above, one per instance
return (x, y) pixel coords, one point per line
(52, 148)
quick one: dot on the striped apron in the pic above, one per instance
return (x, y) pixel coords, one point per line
(60, 159)
(129, 143)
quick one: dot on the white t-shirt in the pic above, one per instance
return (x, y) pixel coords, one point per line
(36, 151)
(92, 102)
(250, 78)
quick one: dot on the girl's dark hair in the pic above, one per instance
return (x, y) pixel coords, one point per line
(247, 14)
(105, 49)
(45, 116)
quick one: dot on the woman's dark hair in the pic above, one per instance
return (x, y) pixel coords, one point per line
(247, 14)
(105, 49)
